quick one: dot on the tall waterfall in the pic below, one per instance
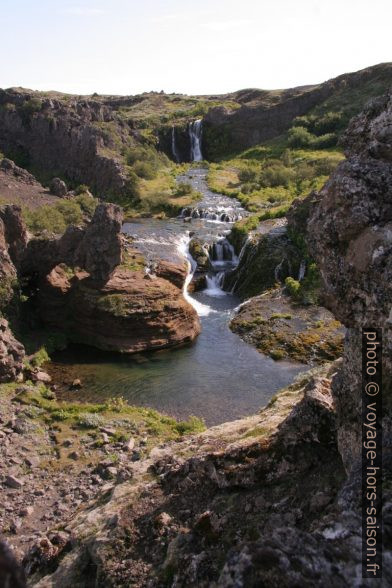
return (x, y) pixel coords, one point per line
(174, 146)
(195, 135)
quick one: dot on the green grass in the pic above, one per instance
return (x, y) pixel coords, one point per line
(91, 416)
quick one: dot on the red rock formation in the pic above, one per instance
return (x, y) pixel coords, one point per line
(132, 312)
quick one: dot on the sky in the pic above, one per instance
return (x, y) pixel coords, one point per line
(191, 47)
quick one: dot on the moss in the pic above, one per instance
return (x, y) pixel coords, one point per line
(115, 304)
(279, 315)
(277, 354)
(281, 337)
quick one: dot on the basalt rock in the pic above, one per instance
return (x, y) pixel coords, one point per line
(268, 257)
(7, 268)
(350, 235)
(100, 249)
(10, 168)
(175, 273)
(77, 138)
(11, 354)
(95, 248)
(15, 232)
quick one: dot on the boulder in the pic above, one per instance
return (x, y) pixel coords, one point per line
(58, 187)
(175, 273)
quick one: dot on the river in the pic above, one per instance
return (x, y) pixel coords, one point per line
(219, 377)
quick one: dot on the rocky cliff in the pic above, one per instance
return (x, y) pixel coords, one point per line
(267, 115)
(350, 234)
(79, 139)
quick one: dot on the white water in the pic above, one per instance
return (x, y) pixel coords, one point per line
(214, 284)
(195, 135)
(302, 270)
(183, 248)
(174, 146)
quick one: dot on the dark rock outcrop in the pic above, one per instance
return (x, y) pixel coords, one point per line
(7, 268)
(350, 235)
(11, 354)
(10, 168)
(15, 232)
(77, 138)
(95, 248)
(267, 258)
(100, 249)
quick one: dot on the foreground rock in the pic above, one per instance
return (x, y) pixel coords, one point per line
(242, 492)
(350, 233)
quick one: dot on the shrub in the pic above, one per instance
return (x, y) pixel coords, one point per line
(183, 189)
(292, 287)
(247, 175)
(328, 123)
(324, 141)
(89, 420)
(144, 169)
(299, 137)
(192, 425)
(87, 203)
(275, 175)
(40, 357)
(71, 212)
(81, 189)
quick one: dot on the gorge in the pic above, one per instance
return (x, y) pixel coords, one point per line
(184, 281)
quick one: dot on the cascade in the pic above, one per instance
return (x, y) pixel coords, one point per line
(174, 146)
(302, 270)
(195, 135)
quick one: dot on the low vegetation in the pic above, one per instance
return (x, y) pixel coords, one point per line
(267, 178)
(55, 218)
(115, 411)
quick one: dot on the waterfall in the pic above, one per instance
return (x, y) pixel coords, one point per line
(174, 146)
(302, 270)
(219, 214)
(195, 135)
(222, 251)
(214, 284)
(183, 248)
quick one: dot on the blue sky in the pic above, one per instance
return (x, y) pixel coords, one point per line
(195, 47)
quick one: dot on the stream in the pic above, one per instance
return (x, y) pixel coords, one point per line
(219, 377)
